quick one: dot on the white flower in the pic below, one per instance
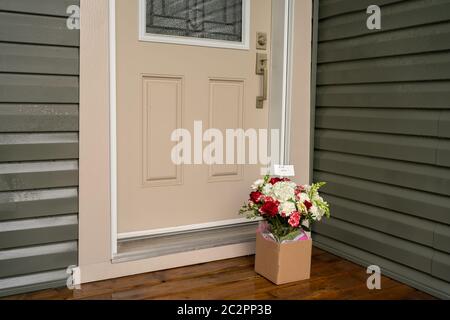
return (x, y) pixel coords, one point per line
(317, 198)
(304, 197)
(283, 191)
(258, 183)
(316, 213)
(267, 189)
(287, 208)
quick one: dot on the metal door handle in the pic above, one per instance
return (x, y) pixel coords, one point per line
(261, 69)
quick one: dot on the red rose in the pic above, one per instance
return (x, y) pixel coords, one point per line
(270, 208)
(299, 190)
(294, 219)
(274, 180)
(307, 204)
(255, 196)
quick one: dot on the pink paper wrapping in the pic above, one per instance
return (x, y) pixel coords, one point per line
(263, 229)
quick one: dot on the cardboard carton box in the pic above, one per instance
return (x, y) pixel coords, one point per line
(283, 263)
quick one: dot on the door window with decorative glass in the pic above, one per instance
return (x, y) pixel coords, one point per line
(215, 23)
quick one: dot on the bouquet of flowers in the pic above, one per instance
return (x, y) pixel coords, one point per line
(289, 209)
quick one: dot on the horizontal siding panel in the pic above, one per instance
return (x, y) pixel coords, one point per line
(400, 95)
(403, 273)
(402, 251)
(24, 28)
(420, 204)
(441, 266)
(420, 39)
(39, 96)
(442, 238)
(408, 175)
(443, 153)
(38, 231)
(33, 282)
(394, 223)
(38, 175)
(435, 66)
(44, 7)
(382, 129)
(38, 117)
(407, 148)
(444, 124)
(393, 121)
(21, 261)
(338, 7)
(396, 16)
(38, 146)
(20, 88)
(38, 203)
(21, 58)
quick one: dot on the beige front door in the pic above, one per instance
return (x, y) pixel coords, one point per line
(180, 61)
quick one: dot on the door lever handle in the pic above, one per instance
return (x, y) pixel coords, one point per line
(261, 69)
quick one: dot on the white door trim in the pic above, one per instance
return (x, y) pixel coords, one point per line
(287, 79)
(113, 124)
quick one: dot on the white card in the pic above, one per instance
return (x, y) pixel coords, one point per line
(284, 170)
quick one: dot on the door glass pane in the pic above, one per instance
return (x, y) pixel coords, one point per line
(207, 19)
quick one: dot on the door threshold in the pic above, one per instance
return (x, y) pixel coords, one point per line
(155, 246)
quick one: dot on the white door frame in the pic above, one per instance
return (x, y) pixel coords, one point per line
(279, 119)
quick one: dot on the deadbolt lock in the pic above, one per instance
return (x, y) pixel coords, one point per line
(261, 40)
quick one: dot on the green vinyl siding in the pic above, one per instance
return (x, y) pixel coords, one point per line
(382, 137)
(39, 96)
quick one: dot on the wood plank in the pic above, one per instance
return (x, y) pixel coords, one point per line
(331, 278)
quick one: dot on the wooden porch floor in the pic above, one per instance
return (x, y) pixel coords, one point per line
(331, 278)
